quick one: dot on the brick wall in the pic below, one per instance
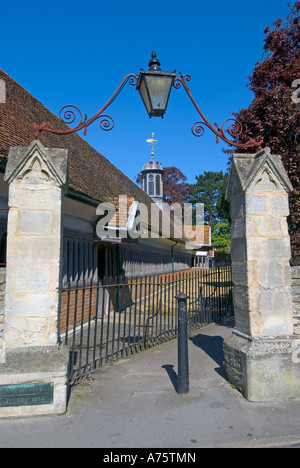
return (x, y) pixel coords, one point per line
(79, 305)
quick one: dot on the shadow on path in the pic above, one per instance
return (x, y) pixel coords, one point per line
(213, 347)
(172, 375)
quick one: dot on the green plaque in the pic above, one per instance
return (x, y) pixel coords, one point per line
(30, 394)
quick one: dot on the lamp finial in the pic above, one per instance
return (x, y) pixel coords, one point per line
(154, 63)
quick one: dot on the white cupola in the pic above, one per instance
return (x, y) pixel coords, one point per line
(152, 176)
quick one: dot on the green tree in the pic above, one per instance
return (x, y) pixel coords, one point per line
(220, 237)
(210, 189)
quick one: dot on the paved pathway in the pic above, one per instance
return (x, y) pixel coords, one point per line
(134, 404)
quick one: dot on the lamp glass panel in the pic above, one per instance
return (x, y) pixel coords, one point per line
(159, 90)
(144, 95)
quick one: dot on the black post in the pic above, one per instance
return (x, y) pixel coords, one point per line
(183, 358)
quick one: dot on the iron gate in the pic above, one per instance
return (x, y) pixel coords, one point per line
(105, 321)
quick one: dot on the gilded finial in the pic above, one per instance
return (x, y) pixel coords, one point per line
(152, 142)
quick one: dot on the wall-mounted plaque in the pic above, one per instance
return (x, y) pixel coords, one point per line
(29, 394)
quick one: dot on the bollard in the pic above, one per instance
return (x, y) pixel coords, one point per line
(183, 358)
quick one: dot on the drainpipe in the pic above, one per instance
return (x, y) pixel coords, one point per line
(172, 250)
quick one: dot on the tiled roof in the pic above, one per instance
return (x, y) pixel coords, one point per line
(90, 173)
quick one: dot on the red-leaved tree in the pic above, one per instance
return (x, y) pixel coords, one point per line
(274, 114)
(176, 189)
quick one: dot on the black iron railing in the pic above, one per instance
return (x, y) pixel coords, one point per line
(105, 321)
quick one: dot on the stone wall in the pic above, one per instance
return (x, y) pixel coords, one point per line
(260, 357)
(35, 176)
(268, 260)
(260, 246)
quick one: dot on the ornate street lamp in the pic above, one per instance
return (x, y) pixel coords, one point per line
(154, 87)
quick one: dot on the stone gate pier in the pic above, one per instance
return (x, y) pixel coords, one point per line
(262, 354)
(33, 372)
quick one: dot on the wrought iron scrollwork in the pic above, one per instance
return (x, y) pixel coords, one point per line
(107, 123)
(182, 81)
(235, 129)
(197, 129)
(70, 113)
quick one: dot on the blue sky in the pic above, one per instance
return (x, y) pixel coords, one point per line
(75, 52)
